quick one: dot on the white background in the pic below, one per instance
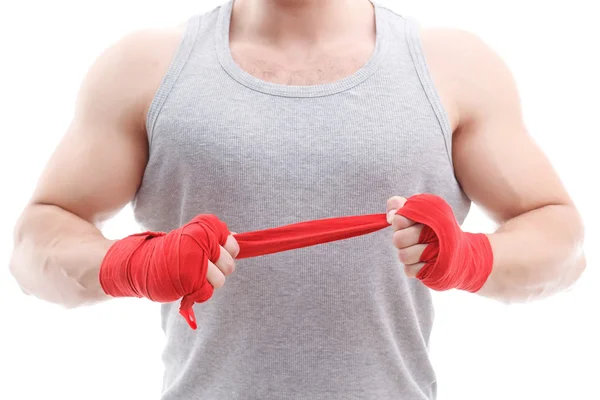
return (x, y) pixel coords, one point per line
(481, 350)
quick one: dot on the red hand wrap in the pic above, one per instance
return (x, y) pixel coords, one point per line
(453, 259)
(168, 267)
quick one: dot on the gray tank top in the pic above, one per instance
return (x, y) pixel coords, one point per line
(335, 321)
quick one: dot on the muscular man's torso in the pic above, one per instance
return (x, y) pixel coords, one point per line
(247, 132)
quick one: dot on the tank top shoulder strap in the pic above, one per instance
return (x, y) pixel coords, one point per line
(415, 46)
(182, 54)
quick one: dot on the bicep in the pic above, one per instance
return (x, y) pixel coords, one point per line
(94, 171)
(503, 170)
(98, 165)
(497, 162)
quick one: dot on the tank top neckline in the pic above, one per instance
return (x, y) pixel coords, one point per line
(236, 72)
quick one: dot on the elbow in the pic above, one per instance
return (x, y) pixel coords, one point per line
(17, 264)
(574, 262)
(574, 273)
(17, 277)
(577, 263)
(29, 267)
(565, 280)
(528, 290)
(32, 283)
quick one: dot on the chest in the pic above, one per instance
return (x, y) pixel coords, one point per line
(301, 67)
(335, 155)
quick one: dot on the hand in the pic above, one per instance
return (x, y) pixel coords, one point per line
(187, 263)
(225, 265)
(406, 237)
(433, 247)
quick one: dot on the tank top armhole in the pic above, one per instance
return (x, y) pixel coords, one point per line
(177, 64)
(415, 46)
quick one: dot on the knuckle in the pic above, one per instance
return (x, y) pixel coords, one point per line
(232, 246)
(412, 235)
(235, 248)
(399, 239)
(395, 202)
(396, 198)
(402, 255)
(398, 222)
(227, 267)
(218, 281)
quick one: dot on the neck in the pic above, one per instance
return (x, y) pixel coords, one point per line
(304, 21)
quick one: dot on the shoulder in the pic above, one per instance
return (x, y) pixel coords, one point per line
(469, 74)
(126, 75)
(149, 45)
(462, 54)
(143, 51)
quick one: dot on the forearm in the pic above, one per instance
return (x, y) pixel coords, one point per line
(57, 256)
(536, 254)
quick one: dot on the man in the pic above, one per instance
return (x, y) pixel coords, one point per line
(267, 113)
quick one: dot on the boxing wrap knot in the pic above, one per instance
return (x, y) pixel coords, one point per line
(453, 259)
(166, 267)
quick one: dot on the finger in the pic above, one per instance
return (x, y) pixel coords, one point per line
(399, 222)
(392, 206)
(232, 246)
(225, 263)
(407, 237)
(215, 276)
(395, 203)
(413, 270)
(411, 255)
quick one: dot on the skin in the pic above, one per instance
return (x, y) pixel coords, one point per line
(538, 245)
(98, 166)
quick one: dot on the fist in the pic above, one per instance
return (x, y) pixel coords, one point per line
(406, 237)
(225, 265)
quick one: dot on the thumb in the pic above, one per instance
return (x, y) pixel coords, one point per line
(394, 204)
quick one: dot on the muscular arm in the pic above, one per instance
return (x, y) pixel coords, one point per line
(95, 171)
(538, 246)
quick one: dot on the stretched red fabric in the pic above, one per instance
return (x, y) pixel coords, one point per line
(306, 234)
(166, 267)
